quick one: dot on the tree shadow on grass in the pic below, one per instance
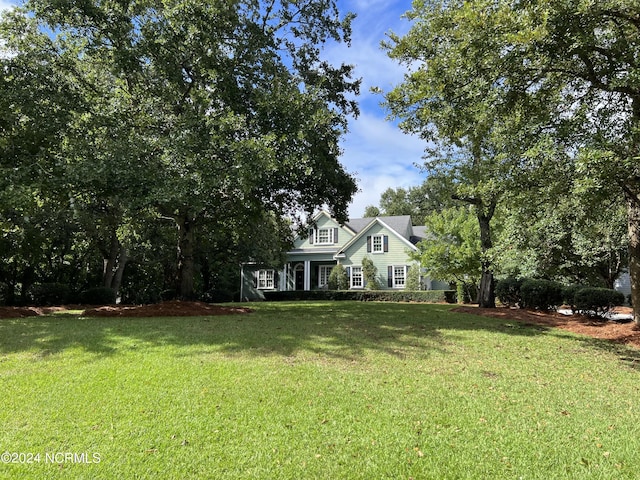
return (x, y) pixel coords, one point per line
(339, 330)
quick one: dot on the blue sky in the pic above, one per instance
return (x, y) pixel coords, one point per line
(375, 151)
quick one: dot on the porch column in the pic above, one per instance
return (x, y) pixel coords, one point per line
(307, 274)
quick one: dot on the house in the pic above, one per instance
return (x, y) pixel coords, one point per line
(387, 241)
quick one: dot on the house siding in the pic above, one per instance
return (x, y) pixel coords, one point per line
(396, 255)
(303, 242)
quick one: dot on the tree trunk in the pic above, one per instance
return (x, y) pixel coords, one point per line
(114, 265)
(186, 266)
(633, 214)
(486, 293)
(109, 262)
(123, 258)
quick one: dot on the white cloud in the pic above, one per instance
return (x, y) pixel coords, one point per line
(376, 150)
(6, 5)
(381, 157)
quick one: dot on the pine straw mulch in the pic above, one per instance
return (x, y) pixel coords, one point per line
(172, 308)
(623, 333)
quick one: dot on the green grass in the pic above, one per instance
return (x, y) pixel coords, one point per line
(315, 391)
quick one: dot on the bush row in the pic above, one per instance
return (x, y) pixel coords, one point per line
(426, 296)
(48, 294)
(539, 294)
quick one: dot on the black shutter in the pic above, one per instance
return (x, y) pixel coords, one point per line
(386, 243)
(369, 244)
(311, 236)
(335, 235)
(255, 278)
(390, 276)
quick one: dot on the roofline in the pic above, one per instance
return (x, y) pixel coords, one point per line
(367, 227)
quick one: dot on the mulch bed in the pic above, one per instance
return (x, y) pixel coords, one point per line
(624, 333)
(164, 309)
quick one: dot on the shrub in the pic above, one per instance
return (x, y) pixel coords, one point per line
(413, 278)
(508, 291)
(426, 296)
(338, 279)
(597, 301)
(98, 296)
(540, 294)
(47, 294)
(218, 295)
(370, 274)
(569, 295)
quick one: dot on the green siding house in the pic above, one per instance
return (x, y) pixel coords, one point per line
(387, 241)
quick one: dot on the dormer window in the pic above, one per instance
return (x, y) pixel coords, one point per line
(324, 236)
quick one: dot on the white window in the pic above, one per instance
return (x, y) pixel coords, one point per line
(377, 243)
(266, 279)
(356, 277)
(323, 275)
(399, 276)
(324, 236)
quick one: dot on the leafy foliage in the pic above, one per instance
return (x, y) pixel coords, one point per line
(370, 274)
(540, 294)
(597, 301)
(451, 252)
(426, 296)
(218, 117)
(508, 291)
(338, 279)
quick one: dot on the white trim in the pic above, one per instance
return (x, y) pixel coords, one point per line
(363, 232)
(329, 238)
(404, 276)
(379, 236)
(266, 279)
(327, 271)
(361, 276)
(307, 274)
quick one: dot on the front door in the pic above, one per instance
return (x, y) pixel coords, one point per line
(299, 278)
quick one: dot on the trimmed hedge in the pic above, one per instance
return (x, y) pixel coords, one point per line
(540, 294)
(426, 296)
(597, 301)
(508, 291)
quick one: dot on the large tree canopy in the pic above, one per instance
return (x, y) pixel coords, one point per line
(200, 111)
(556, 75)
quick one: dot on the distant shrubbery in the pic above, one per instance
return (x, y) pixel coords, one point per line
(508, 291)
(98, 296)
(597, 301)
(541, 294)
(48, 294)
(427, 296)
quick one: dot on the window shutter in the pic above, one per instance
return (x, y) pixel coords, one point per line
(311, 236)
(386, 243)
(369, 244)
(390, 276)
(255, 278)
(348, 269)
(335, 235)
(276, 279)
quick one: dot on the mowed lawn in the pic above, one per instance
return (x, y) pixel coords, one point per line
(314, 391)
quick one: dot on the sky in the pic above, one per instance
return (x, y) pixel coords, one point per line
(375, 151)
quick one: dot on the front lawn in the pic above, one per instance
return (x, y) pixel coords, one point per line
(314, 391)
